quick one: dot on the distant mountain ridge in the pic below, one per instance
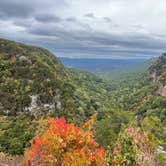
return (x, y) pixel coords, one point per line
(106, 68)
(93, 64)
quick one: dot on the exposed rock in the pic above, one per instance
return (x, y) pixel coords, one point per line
(24, 58)
(58, 105)
(44, 107)
(160, 149)
(162, 90)
(158, 74)
(33, 104)
(16, 55)
(49, 106)
(154, 76)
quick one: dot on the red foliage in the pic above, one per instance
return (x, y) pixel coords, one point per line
(65, 144)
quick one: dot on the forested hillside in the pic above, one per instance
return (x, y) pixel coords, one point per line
(34, 81)
(128, 118)
(34, 84)
(144, 96)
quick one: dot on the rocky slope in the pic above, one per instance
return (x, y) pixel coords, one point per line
(158, 74)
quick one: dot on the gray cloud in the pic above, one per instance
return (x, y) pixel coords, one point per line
(97, 42)
(14, 8)
(86, 28)
(71, 19)
(44, 17)
(89, 15)
(107, 19)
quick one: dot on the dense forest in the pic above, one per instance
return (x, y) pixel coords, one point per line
(54, 115)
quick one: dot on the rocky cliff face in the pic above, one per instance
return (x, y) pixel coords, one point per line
(158, 74)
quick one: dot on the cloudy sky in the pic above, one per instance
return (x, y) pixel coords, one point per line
(88, 28)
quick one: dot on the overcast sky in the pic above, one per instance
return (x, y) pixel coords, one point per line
(88, 28)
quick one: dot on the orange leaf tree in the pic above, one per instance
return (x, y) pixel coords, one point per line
(65, 144)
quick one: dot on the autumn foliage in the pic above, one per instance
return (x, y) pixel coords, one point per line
(133, 148)
(65, 144)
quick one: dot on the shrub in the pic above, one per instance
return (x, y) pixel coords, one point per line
(65, 144)
(133, 148)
